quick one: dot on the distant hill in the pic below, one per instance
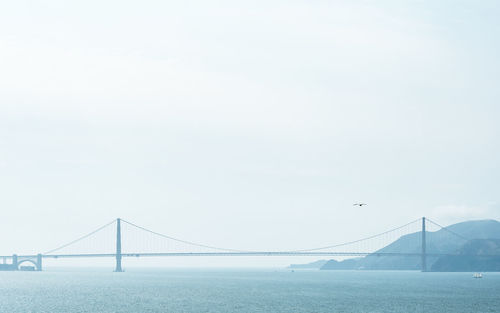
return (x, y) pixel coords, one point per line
(313, 265)
(441, 241)
(474, 256)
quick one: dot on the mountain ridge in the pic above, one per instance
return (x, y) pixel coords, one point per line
(448, 240)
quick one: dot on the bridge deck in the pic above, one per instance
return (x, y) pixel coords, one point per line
(199, 254)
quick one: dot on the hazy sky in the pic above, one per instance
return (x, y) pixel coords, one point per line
(247, 124)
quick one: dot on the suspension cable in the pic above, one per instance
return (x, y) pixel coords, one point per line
(81, 238)
(448, 230)
(235, 250)
(356, 241)
(183, 241)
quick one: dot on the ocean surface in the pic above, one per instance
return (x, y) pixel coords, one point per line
(246, 290)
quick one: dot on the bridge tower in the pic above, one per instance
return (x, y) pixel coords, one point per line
(118, 247)
(424, 252)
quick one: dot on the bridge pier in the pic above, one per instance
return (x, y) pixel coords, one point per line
(39, 262)
(118, 267)
(14, 262)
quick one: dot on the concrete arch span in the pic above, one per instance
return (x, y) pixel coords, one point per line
(36, 262)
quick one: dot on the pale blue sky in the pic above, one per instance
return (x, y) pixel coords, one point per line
(246, 125)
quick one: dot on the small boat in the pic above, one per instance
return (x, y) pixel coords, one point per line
(477, 275)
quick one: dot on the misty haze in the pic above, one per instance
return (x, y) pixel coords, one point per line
(264, 156)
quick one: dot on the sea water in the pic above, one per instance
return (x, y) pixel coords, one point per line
(246, 290)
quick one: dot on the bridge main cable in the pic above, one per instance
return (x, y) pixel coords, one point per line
(448, 230)
(81, 238)
(356, 241)
(185, 241)
(228, 249)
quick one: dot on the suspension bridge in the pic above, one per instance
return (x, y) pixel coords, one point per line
(120, 239)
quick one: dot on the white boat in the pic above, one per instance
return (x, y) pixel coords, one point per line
(477, 275)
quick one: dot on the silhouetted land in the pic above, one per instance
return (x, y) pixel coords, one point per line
(472, 255)
(313, 265)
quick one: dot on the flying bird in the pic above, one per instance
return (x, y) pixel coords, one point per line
(359, 204)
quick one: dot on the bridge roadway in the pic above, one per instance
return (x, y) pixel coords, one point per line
(250, 253)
